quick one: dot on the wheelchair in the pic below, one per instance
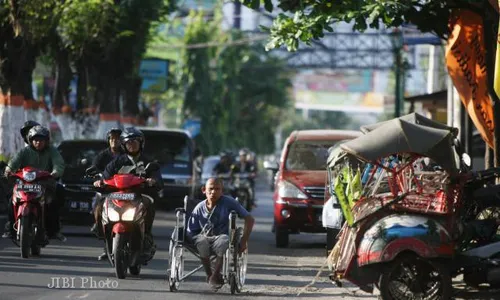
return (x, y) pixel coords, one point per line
(234, 266)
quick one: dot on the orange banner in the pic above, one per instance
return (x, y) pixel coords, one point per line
(466, 62)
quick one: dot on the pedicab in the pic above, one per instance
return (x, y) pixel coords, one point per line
(414, 224)
(342, 168)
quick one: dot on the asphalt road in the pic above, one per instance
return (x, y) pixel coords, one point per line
(70, 270)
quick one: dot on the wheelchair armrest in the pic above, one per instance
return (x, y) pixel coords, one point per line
(180, 209)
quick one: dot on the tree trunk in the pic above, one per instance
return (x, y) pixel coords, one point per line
(82, 83)
(131, 90)
(109, 109)
(62, 82)
(60, 104)
(18, 62)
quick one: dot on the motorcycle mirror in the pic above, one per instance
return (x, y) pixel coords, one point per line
(91, 171)
(466, 159)
(152, 167)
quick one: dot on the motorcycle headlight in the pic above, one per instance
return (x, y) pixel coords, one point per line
(113, 215)
(19, 196)
(129, 214)
(29, 176)
(288, 190)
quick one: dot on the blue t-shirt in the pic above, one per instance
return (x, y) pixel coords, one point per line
(219, 219)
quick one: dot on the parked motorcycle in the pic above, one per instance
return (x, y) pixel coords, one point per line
(28, 204)
(123, 222)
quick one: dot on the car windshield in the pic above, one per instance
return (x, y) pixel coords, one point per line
(172, 150)
(308, 155)
(74, 153)
(208, 166)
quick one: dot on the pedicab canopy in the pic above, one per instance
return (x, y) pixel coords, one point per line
(399, 136)
(413, 118)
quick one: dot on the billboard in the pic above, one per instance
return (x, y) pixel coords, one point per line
(154, 74)
(345, 90)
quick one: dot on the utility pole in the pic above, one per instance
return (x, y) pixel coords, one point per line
(397, 47)
(397, 96)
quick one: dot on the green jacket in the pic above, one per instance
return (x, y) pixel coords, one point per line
(48, 160)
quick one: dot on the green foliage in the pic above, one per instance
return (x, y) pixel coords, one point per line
(32, 19)
(306, 20)
(87, 24)
(235, 90)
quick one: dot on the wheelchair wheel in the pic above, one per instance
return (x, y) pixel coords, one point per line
(239, 269)
(176, 267)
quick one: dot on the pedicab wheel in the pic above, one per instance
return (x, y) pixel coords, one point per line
(135, 270)
(412, 277)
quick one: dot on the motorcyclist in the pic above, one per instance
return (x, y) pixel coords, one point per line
(133, 161)
(100, 162)
(5, 184)
(225, 164)
(246, 166)
(42, 156)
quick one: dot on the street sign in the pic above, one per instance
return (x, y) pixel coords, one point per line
(154, 74)
(193, 126)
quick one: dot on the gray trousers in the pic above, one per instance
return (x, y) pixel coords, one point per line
(207, 245)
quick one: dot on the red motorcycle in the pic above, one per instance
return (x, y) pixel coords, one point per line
(28, 202)
(123, 223)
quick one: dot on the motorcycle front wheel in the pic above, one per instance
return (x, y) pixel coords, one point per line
(120, 255)
(26, 236)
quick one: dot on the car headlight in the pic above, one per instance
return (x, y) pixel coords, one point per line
(289, 190)
(113, 215)
(29, 176)
(129, 214)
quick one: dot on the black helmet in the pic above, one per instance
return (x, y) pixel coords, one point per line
(132, 133)
(26, 128)
(38, 131)
(113, 130)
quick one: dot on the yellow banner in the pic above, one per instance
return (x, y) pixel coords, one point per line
(466, 62)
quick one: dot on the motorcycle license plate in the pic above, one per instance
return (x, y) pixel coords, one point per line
(122, 196)
(29, 187)
(79, 205)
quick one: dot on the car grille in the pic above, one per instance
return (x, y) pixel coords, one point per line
(315, 192)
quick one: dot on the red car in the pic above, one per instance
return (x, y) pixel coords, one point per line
(300, 182)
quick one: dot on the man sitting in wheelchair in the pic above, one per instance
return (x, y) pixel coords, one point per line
(208, 226)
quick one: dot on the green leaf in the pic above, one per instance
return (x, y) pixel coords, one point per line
(268, 5)
(254, 4)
